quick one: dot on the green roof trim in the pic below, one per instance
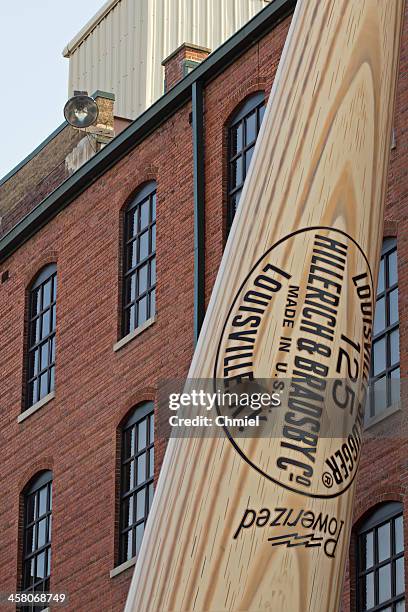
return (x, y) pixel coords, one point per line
(143, 125)
(103, 94)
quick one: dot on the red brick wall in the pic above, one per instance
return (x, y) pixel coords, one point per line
(36, 179)
(75, 435)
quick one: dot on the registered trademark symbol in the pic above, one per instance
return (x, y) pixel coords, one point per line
(327, 480)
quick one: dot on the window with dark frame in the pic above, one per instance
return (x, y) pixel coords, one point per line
(36, 567)
(41, 336)
(139, 287)
(242, 134)
(137, 479)
(380, 561)
(385, 356)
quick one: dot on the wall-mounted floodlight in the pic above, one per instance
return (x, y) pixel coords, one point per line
(81, 110)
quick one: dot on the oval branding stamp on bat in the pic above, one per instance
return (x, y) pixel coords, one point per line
(313, 290)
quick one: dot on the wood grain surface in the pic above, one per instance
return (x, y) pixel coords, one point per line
(263, 523)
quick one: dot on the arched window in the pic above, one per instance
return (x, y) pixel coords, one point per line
(380, 560)
(139, 288)
(36, 566)
(385, 364)
(137, 476)
(41, 335)
(242, 134)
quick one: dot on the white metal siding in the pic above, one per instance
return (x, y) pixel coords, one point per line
(123, 50)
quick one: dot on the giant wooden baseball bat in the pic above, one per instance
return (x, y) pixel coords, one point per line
(255, 523)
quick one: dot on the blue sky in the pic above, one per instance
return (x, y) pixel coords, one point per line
(34, 75)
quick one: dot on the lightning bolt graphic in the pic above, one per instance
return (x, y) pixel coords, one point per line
(294, 539)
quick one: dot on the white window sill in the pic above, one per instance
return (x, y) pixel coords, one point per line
(35, 407)
(123, 567)
(134, 334)
(381, 416)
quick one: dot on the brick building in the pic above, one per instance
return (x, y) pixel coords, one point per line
(88, 328)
